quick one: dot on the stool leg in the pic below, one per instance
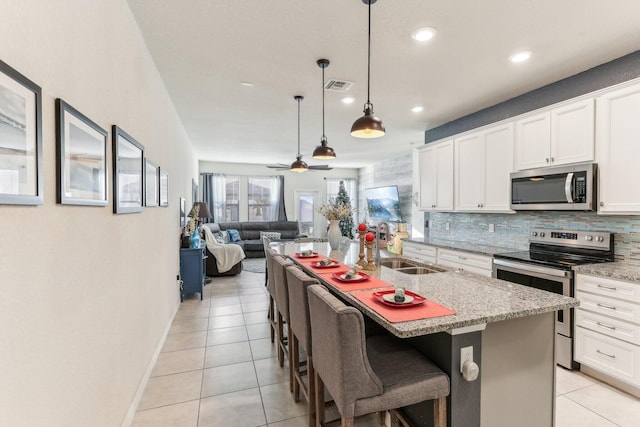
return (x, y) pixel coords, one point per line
(272, 319)
(294, 361)
(440, 412)
(319, 386)
(382, 415)
(311, 378)
(280, 341)
(289, 351)
(346, 422)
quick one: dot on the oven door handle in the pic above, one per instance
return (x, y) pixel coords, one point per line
(531, 268)
(568, 186)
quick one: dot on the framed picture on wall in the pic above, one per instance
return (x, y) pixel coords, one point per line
(151, 192)
(163, 188)
(128, 169)
(183, 212)
(81, 147)
(21, 177)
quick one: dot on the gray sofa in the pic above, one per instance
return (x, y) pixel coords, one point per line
(250, 233)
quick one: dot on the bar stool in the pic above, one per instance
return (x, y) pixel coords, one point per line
(271, 287)
(282, 306)
(366, 375)
(297, 282)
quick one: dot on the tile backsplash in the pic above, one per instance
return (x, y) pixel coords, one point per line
(512, 230)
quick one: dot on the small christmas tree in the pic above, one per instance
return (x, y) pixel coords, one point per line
(346, 223)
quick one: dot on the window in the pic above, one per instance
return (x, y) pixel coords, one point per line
(226, 196)
(333, 186)
(263, 195)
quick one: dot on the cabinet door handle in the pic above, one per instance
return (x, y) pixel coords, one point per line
(547, 159)
(552, 160)
(613, 328)
(601, 204)
(605, 354)
(462, 258)
(610, 307)
(610, 288)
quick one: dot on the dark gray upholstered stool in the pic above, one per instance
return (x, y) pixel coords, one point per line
(366, 375)
(271, 287)
(297, 282)
(282, 306)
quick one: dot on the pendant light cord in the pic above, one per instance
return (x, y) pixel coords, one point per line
(323, 135)
(299, 128)
(369, 56)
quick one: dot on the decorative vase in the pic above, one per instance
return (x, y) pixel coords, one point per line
(334, 234)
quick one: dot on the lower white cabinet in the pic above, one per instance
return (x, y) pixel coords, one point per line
(608, 327)
(419, 252)
(474, 263)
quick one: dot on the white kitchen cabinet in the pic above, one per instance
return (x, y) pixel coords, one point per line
(483, 162)
(435, 176)
(608, 327)
(419, 252)
(618, 150)
(474, 263)
(556, 137)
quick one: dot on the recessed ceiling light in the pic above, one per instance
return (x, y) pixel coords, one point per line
(246, 84)
(417, 109)
(424, 34)
(347, 100)
(520, 56)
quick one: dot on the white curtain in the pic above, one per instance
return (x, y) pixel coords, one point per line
(219, 198)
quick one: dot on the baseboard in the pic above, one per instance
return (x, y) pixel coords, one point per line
(131, 413)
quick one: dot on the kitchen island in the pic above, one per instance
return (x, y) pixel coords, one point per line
(509, 327)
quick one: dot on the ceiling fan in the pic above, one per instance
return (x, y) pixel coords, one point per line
(299, 165)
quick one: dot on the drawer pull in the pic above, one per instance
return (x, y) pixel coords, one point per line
(613, 328)
(612, 356)
(462, 258)
(610, 307)
(609, 288)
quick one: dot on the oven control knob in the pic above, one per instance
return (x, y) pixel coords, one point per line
(588, 238)
(534, 234)
(542, 234)
(599, 239)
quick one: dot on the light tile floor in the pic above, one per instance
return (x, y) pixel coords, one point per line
(219, 368)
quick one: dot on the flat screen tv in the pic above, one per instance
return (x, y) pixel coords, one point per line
(383, 203)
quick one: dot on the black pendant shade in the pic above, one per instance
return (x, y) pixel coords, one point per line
(299, 165)
(368, 126)
(323, 151)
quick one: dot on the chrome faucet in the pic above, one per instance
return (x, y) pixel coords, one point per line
(386, 239)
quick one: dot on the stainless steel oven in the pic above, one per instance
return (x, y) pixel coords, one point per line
(547, 265)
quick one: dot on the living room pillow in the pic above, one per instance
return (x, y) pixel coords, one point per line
(234, 235)
(225, 236)
(271, 235)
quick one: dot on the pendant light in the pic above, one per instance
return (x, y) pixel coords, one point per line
(368, 126)
(299, 165)
(323, 151)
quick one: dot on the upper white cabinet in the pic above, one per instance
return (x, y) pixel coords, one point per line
(559, 136)
(483, 162)
(435, 176)
(618, 150)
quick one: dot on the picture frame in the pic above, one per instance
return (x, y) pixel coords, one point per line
(21, 182)
(183, 212)
(163, 188)
(81, 168)
(151, 184)
(128, 171)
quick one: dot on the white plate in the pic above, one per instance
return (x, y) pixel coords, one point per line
(389, 298)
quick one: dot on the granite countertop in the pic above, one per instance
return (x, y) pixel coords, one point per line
(613, 270)
(473, 248)
(476, 299)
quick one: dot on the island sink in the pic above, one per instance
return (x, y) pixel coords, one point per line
(409, 267)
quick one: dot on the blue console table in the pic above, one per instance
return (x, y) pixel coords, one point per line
(192, 271)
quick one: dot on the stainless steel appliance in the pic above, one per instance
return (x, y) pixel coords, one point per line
(547, 265)
(570, 187)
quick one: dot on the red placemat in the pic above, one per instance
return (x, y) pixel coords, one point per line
(426, 310)
(308, 264)
(372, 283)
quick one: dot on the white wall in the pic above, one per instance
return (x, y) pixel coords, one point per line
(86, 294)
(292, 181)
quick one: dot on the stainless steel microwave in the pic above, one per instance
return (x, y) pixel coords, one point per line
(571, 187)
